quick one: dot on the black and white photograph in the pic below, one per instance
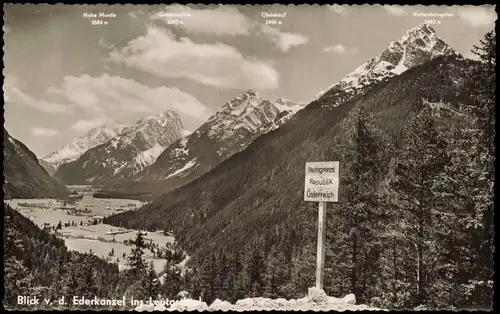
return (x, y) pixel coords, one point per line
(215, 157)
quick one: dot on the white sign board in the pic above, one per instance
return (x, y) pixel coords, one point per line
(322, 181)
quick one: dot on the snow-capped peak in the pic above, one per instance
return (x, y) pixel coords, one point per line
(230, 130)
(249, 111)
(251, 100)
(419, 45)
(239, 105)
(283, 104)
(129, 152)
(74, 149)
(149, 128)
(162, 118)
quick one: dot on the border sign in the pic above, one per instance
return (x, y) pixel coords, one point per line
(322, 185)
(322, 181)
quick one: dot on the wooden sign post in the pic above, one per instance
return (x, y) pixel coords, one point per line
(321, 185)
(320, 266)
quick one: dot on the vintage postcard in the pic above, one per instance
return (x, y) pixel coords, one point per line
(248, 157)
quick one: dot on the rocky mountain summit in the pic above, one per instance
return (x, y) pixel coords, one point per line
(77, 147)
(418, 46)
(230, 130)
(126, 154)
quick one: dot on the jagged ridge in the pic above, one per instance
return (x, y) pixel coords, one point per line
(419, 45)
(77, 147)
(230, 130)
(136, 147)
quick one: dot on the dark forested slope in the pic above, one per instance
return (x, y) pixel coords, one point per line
(24, 176)
(37, 263)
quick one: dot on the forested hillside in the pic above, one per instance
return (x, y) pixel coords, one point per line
(413, 226)
(24, 176)
(38, 264)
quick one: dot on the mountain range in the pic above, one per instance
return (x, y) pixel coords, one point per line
(258, 193)
(129, 152)
(153, 156)
(24, 176)
(77, 147)
(229, 131)
(235, 125)
(147, 169)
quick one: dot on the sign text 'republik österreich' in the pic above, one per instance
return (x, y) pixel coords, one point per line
(322, 181)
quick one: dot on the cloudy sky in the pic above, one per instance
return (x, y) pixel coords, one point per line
(64, 76)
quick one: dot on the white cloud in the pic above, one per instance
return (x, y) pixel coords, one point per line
(105, 45)
(478, 16)
(341, 49)
(84, 125)
(39, 131)
(339, 8)
(103, 95)
(135, 14)
(13, 94)
(396, 10)
(10, 81)
(186, 132)
(284, 41)
(222, 20)
(229, 21)
(160, 53)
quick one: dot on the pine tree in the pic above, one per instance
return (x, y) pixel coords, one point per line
(303, 271)
(87, 277)
(417, 171)
(256, 268)
(150, 283)
(362, 164)
(481, 87)
(171, 280)
(221, 281)
(18, 280)
(276, 275)
(465, 264)
(237, 283)
(242, 284)
(135, 260)
(70, 282)
(486, 50)
(207, 275)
